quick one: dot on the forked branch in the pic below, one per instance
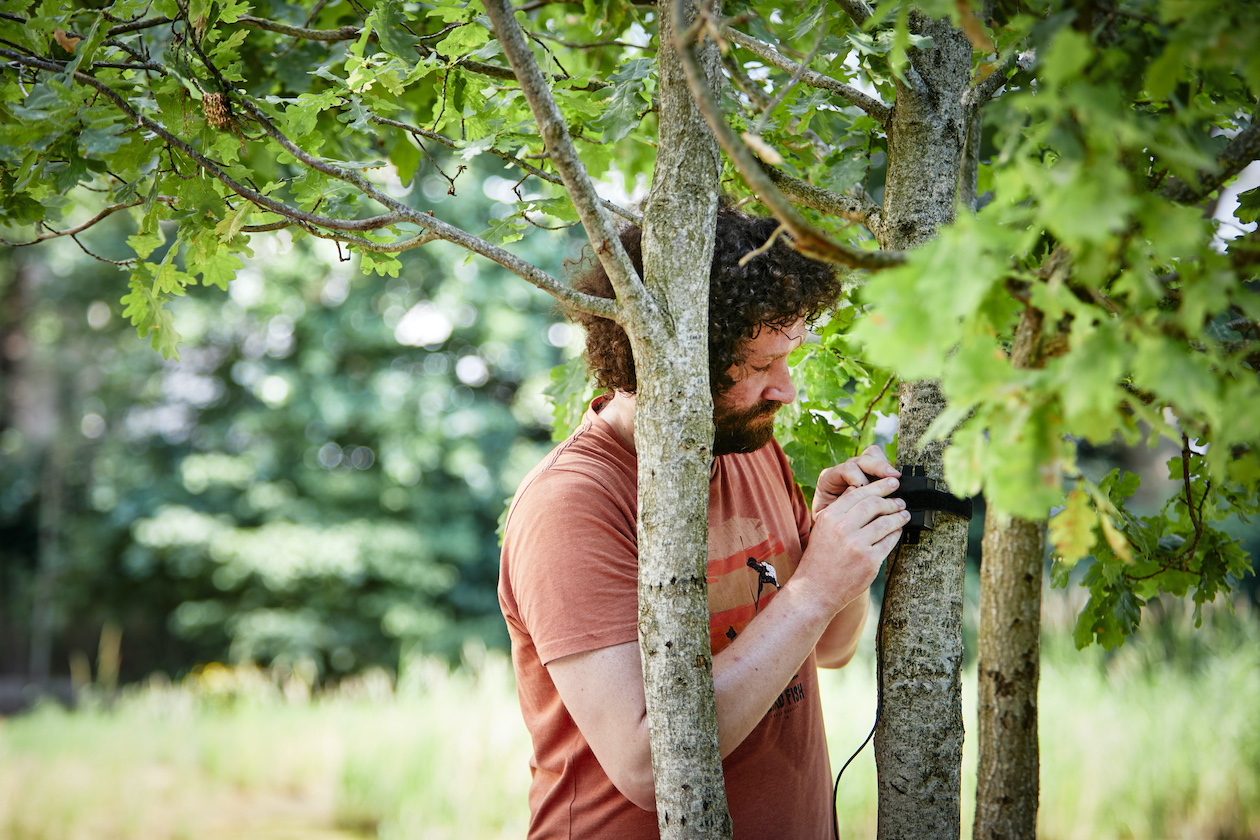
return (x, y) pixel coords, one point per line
(805, 238)
(1242, 150)
(398, 212)
(555, 134)
(872, 106)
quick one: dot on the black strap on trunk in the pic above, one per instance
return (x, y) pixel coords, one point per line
(924, 501)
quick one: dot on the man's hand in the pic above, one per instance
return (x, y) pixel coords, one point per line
(855, 528)
(833, 482)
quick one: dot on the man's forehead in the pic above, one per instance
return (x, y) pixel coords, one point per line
(772, 340)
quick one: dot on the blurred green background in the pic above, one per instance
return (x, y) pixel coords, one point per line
(316, 482)
(255, 587)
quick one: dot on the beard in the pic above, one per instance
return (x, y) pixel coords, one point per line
(744, 431)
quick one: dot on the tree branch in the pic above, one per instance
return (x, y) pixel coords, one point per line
(805, 238)
(629, 215)
(872, 106)
(137, 25)
(394, 247)
(400, 212)
(108, 211)
(857, 10)
(1237, 154)
(344, 33)
(984, 88)
(761, 102)
(350, 33)
(861, 210)
(969, 171)
(551, 126)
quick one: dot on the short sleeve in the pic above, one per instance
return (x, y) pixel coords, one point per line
(571, 562)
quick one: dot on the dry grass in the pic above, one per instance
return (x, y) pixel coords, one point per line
(1145, 744)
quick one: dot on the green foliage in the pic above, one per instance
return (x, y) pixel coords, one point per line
(1146, 318)
(316, 479)
(68, 137)
(1140, 318)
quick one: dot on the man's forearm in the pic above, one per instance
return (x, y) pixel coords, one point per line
(839, 641)
(750, 674)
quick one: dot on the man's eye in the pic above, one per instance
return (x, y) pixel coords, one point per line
(761, 369)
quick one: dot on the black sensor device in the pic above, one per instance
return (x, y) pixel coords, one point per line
(923, 501)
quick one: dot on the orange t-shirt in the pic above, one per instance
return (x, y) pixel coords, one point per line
(569, 583)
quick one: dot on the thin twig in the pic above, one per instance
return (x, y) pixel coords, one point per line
(805, 238)
(796, 77)
(343, 33)
(604, 240)
(137, 25)
(628, 215)
(592, 45)
(121, 263)
(763, 248)
(108, 211)
(867, 416)
(872, 106)
(601, 307)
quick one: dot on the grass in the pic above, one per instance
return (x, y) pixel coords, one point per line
(1150, 741)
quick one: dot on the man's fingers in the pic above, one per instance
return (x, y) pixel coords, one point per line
(874, 463)
(835, 480)
(890, 524)
(855, 472)
(871, 498)
(885, 546)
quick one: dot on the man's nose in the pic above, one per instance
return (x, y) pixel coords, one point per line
(781, 388)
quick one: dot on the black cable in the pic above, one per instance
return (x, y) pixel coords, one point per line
(879, 686)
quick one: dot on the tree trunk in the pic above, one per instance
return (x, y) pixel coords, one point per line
(674, 439)
(1007, 786)
(1010, 626)
(918, 744)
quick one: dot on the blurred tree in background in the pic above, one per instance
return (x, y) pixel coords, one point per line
(316, 479)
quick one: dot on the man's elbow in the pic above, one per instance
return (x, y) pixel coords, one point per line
(835, 658)
(637, 785)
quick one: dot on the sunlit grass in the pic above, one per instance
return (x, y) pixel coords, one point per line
(1133, 745)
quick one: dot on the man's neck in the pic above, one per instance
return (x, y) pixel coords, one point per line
(618, 412)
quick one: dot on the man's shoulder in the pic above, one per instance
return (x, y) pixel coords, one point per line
(590, 467)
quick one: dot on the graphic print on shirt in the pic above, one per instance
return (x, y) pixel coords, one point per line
(747, 566)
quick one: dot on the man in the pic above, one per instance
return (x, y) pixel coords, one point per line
(787, 586)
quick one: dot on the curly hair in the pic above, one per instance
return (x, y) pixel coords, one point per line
(775, 288)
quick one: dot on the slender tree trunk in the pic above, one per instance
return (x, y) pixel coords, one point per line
(918, 744)
(674, 439)
(1010, 626)
(1007, 785)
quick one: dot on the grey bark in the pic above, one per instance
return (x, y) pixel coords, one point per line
(1010, 627)
(918, 744)
(674, 438)
(1007, 785)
